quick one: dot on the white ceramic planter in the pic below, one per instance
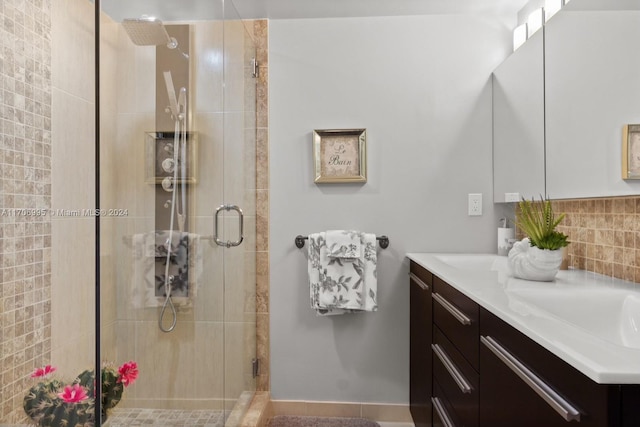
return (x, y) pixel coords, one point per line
(532, 263)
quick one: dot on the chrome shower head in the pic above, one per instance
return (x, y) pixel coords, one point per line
(147, 31)
(150, 31)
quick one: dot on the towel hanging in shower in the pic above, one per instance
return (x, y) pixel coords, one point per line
(338, 285)
(149, 253)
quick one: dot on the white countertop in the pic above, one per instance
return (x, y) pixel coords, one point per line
(588, 337)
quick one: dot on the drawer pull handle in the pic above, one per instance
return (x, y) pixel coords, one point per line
(457, 376)
(460, 316)
(419, 282)
(560, 405)
(442, 413)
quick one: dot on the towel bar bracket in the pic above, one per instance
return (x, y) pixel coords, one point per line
(383, 241)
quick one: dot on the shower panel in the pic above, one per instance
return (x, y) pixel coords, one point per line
(185, 131)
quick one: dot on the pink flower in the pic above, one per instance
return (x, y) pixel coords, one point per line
(128, 373)
(73, 393)
(41, 372)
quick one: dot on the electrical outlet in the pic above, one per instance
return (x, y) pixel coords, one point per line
(511, 197)
(475, 204)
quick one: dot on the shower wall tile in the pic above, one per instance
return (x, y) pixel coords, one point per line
(262, 98)
(210, 302)
(234, 66)
(136, 82)
(72, 187)
(73, 43)
(262, 279)
(262, 220)
(173, 355)
(72, 157)
(239, 339)
(209, 360)
(208, 38)
(261, 35)
(261, 38)
(128, 173)
(262, 159)
(25, 183)
(209, 191)
(262, 350)
(236, 182)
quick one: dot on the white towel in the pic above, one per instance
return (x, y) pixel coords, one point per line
(338, 287)
(148, 267)
(344, 243)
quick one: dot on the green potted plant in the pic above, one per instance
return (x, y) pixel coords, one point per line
(53, 403)
(539, 255)
(538, 221)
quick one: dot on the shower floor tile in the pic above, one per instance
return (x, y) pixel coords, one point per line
(165, 417)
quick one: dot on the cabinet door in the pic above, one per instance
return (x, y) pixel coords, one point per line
(420, 347)
(524, 385)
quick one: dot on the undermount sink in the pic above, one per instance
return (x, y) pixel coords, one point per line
(610, 314)
(474, 262)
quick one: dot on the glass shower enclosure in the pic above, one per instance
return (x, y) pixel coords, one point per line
(177, 208)
(127, 209)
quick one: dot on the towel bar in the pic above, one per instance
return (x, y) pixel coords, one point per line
(384, 241)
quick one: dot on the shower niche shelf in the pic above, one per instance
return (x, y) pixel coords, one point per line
(159, 148)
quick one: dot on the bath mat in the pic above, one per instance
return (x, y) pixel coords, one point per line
(299, 421)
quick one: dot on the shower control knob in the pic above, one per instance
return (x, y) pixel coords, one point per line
(167, 185)
(167, 165)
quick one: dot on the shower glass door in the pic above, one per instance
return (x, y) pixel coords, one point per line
(178, 136)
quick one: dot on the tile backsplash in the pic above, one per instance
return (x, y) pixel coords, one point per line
(604, 235)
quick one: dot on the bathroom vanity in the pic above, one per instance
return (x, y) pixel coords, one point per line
(490, 350)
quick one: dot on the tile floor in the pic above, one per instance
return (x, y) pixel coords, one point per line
(165, 417)
(176, 418)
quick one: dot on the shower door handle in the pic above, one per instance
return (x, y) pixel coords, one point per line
(228, 243)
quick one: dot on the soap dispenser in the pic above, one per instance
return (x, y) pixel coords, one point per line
(506, 237)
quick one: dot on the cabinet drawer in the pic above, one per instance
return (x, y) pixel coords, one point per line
(457, 379)
(425, 276)
(457, 317)
(443, 413)
(522, 380)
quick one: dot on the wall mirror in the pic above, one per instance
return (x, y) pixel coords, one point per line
(591, 82)
(592, 87)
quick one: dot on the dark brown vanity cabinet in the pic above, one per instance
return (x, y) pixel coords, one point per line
(420, 347)
(469, 368)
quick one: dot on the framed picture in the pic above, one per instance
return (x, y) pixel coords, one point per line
(631, 152)
(159, 158)
(340, 155)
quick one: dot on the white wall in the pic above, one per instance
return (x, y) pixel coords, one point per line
(421, 87)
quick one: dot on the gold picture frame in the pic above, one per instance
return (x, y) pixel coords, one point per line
(340, 155)
(631, 151)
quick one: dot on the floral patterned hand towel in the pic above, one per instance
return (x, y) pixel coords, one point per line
(339, 286)
(147, 264)
(344, 243)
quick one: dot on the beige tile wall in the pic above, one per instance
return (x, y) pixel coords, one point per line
(261, 38)
(604, 235)
(72, 187)
(25, 182)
